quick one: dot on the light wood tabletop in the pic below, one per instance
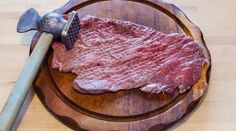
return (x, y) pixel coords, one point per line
(217, 20)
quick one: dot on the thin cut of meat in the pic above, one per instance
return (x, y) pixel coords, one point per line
(112, 55)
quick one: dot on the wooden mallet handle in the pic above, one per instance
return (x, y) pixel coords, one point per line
(24, 82)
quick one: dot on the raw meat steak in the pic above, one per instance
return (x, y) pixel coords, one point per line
(112, 55)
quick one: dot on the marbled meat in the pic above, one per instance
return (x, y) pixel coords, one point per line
(112, 55)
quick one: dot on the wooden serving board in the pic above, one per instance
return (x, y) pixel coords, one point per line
(128, 110)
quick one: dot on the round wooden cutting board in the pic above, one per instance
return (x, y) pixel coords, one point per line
(127, 110)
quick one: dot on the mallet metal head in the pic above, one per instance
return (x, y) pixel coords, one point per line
(66, 30)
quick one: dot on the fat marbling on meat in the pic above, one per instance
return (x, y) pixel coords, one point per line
(112, 55)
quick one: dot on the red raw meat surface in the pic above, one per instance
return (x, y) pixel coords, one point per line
(112, 55)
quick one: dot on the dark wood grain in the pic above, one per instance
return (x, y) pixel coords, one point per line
(129, 110)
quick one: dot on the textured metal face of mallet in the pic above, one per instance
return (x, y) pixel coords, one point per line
(53, 23)
(71, 30)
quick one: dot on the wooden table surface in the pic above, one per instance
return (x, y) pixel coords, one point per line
(217, 20)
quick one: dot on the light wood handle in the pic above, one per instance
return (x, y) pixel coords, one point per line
(24, 82)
